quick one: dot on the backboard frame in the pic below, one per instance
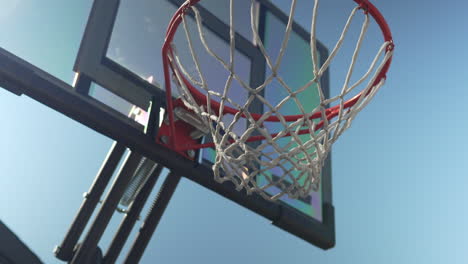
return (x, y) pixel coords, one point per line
(92, 65)
(92, 61)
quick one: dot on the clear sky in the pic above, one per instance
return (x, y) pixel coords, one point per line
(399, 173)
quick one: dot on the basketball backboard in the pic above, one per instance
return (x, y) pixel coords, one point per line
(120, 65)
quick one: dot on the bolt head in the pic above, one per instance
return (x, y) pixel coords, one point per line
(164, 139)
(56, 250)
(191, 153)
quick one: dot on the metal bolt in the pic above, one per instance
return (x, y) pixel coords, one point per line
(56, 250)
(164, 139)
(191, 153)
(85, 195)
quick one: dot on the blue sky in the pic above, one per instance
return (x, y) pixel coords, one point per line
(399, 173)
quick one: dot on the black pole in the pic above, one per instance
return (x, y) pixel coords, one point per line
(153, 120)
(82, 84)
(89, 245)
(153, 218)
(131, 217)
(65, 250)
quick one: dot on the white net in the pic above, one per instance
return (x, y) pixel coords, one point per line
(290, 156)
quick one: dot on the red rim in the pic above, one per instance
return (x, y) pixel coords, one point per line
(202, 99)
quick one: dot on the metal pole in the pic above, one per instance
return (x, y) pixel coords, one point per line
(89, 245)
(65, 250)
(130, 218)
(153, 218)
(153, 121)
(82, 84)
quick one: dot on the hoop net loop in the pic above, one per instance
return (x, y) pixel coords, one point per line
(290, 158)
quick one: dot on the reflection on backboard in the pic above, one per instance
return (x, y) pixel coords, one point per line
(296, 74)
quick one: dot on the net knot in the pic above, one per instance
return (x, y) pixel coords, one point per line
(391, 46)
(364, 5)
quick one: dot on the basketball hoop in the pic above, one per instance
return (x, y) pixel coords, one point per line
(243, 157)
